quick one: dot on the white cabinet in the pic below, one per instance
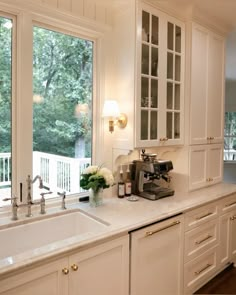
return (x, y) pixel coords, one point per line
(160, 82)
(207, 87)
(103, 269)
(205, 166)
(157, 258)
(47, 279)
(201, 246)
(227, 231)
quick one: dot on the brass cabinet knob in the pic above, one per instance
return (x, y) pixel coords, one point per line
(65, 270)
(74, 267)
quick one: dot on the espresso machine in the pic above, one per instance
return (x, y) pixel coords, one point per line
(148, 175)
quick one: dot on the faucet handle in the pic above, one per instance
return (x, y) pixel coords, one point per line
(63, 203)
(14, 199)
(47, 193)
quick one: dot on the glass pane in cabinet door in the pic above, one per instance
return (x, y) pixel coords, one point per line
(154, 62)
(169, 102)
(153, 123)
(177, 125)
(177, 39)
(145, 26)
(155, 30)
(145, 59)
(177, 97)
(154, 93)
(170, 36)
(170, 65)
(169, 125)
(144, 92)
(144, 125)
(177, 68)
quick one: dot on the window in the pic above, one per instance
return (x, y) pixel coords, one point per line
(62, 109)
(230, 137)
(5, 107)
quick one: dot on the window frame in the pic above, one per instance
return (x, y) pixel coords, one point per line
(22, 91)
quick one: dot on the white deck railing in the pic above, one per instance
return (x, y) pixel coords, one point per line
(57, 172)
(230, 155)
(5, 169)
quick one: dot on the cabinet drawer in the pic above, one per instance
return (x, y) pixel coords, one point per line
(200, 215)
(198, 271)
(200, 239)
(228, 203)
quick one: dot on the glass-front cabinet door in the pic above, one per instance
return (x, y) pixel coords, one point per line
(160, 79)
(149, 104)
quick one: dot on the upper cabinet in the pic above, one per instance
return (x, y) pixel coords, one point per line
(207, 87)
(160, 79)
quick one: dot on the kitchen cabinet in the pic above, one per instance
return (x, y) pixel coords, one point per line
(47, 279)
(201, 241)
(207, 86)
(157, 258)
(227, 231)
(205, 165)
(160, 82)
(102, 269)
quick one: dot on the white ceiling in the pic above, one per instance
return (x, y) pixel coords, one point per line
(224, 10)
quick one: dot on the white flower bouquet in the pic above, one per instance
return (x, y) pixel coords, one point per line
(95, 178)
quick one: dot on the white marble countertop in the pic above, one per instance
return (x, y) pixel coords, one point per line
(122, 216)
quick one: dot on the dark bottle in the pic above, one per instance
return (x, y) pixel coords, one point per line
(121, 186)
(128, 184)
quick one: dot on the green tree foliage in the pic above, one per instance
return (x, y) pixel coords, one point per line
(5, 85)
(63, 79)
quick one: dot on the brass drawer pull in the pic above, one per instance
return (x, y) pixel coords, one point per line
(204, 216)
(74, 267)
(233, 217)
(201, 270)
(65, 270)
(231, 204)
(150, 233)
(203, 240)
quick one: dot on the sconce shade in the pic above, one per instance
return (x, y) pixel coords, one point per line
(110, 109)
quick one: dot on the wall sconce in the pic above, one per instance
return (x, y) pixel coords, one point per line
(111, 110)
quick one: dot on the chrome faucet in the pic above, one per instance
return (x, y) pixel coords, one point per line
(29, 196)
(63, 201)
(42, 202)
(14, 207)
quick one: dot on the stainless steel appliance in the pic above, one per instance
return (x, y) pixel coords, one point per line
(148, 175)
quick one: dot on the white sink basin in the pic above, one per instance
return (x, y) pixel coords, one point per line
(32, 235)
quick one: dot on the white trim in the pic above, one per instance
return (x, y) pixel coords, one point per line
(23, 75)
(89, 25)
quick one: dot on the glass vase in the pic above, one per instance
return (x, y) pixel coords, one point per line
(95, 197)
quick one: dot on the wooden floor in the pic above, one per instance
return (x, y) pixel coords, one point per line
(223, 283)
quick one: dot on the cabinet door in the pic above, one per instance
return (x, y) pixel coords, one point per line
(103, 269)
(227, 251)
(215, 163)
(216, 81)
(207, 91)
(198, 167)
(160, 81)
(47, 279)
(206, 164)
(233, 236)
(174, 82)
(157, 259)
(199, 92)
(224, 249)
